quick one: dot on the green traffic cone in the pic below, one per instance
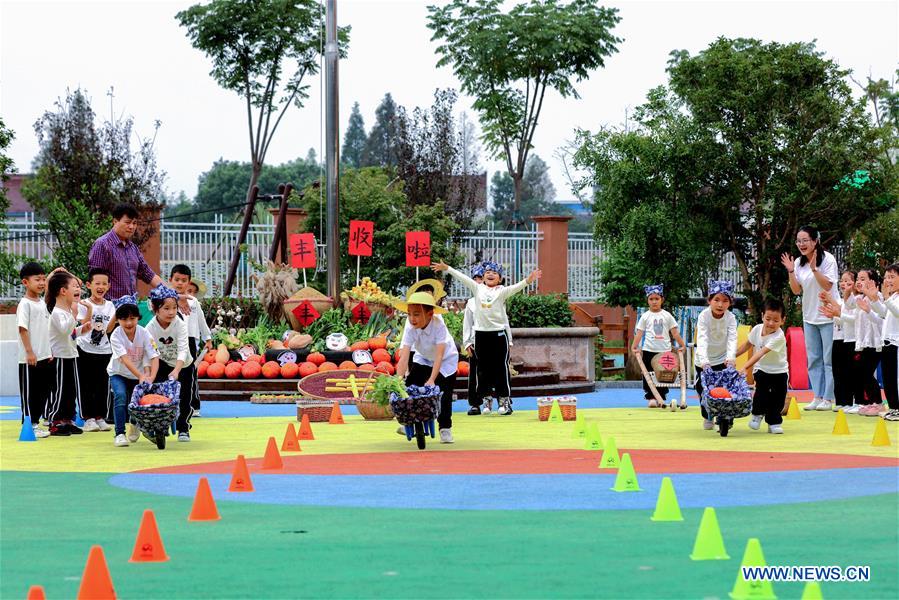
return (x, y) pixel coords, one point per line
(812, 591)
(709, 544)
(580, 426)
(555, 413)
(626, 480)
(752, 590)
(592, 439)
(667, 508)
(609, 458)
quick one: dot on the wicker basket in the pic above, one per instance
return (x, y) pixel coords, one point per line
(318, 410)
(373, 307)
(320, 302)
(567, 404)
(372, 411)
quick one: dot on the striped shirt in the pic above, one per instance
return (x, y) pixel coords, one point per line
(123, 260)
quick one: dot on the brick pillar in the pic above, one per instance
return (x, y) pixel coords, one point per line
(552, 252)
(152, 251)
(295, 218)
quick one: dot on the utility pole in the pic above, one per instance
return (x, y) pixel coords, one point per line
(331, 149)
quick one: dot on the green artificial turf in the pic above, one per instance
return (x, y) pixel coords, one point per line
(48, 522)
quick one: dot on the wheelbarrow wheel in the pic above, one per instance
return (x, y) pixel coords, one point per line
(723, 426)
(160, 440)
(420, 435)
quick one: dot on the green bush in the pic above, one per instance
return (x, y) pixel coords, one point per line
(546, 310)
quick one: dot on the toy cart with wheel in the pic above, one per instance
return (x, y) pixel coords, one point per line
(668, 372)
(726, 396)
(418, 411)
(155, 420)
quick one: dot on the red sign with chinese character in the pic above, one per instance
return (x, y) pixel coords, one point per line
(302, 251)
(305, 313)
(668, 361)
(362, 237)
(418, 248)
(361, 313)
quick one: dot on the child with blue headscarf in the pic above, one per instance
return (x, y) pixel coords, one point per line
(716, 337)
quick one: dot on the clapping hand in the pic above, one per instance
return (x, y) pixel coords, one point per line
(787, 261)
(830, 310)
(863, 304)
(871, 290)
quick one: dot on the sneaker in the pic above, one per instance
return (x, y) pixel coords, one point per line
(38, 432)
(446, 436)
(183, 436)
(401, 430)
(775, 429)
(871, 410)
(474, 410)
(91, 425)
(824, 405)
(505, 406)
(132, 432)
(892, 415)
(74, 429)
(102, 425)
(196, 414)
(836, 407)
(755, 422)
(120, 440)
(488, 403)
(851, 410)
(707, 424)
(813, 405)
(60, 430)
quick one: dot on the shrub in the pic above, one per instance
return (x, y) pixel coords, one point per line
(539, 310)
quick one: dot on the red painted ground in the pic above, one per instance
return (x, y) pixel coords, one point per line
(533, 462)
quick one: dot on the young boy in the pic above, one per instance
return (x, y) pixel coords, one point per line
(197, 329)
(716, 336)
(661, 327)
(36, 373)
(769, 365)
(94, 353)
(436, 357)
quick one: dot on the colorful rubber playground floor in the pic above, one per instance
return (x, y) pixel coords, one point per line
(515, 508)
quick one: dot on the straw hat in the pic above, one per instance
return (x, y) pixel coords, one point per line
(439, 292)
(423, 298)
(201, 288)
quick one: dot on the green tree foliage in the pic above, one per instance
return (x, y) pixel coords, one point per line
(369, 194)
(507, 61)
(9, 263)
(537, 194)
(876, 244)
(263, 50)
(380, 147)
(354, 139)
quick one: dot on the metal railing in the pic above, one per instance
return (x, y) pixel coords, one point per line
(516, 251)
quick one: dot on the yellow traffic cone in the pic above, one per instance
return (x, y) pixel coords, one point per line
(593, 439)
(793, 410)
(580, 426)
(709, 544)
(555, 413)
(756, 589)
(626, 480)
(841, 426)
(667, 508)
(881, 435)
(609, 459)
(812, 591)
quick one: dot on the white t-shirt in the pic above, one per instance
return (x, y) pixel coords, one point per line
(656, 328)
(197, 327)
(490, 302)
(140, 351)
(868, 325)
(33, 316)
(774, 362)
(171, 341)
(62, 334)
(424, 342)
(889, 310)
(716, 339)
(811, 288)
(96, 341)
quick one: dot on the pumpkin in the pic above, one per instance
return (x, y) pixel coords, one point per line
(385, 367)
(316, 358)
(347, 364)
(210, 357)
(290, 371)
(359, 346)
(201, 369)
(396, 355)
(222, 356)
(380, 355)
(308, 368)
(251, 370)
(367, 367)
(233, 370)
(256, 358)
(378, 343)
(463, 369)
(327, 366)
(153, 399)
(719, 392)
(215, 370)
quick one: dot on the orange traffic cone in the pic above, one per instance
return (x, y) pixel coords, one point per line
(148, 545)
(96, 584)
(290, 443)
(204, 508)
(272, 458)
(240, 479)
(305, 429)
(36, 592)
(336, 416)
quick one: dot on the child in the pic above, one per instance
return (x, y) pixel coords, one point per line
(197, 328)
(490, 324)
(716, 336)
(889, 310)
(170, 333)
(134, 359)
(94, 353)
(436, 358)
(662, 327)
(843, 352)
(65, 394)
(868, 340)
(769, 366)
(35, 366)
(474, 401)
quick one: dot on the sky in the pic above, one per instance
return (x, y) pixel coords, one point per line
(137, 49)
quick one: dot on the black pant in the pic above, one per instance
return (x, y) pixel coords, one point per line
(473, 398)
(419, 375)
(770, 393)
(492, 348)
(844, 379)
(698, 387)
(194, 385)
(94, 384)
(35, 384)
(867, 375)
(890, 371)
(184, 409)
(647, 362)
(65, 391)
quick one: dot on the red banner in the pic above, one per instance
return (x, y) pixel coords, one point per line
(302, 251)
(362, 237)
(305, 313)
(418, 248)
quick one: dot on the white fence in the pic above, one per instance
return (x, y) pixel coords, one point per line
(515, 250)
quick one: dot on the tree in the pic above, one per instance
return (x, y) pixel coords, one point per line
(8, 262)
(506, 61)
(380, 146)
(537, 194)
(876, 244)
(263, 50)
(354, 139)
(468, 142)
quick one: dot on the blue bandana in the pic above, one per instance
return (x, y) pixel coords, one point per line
(132, 299)
(163, 292)
(721, 287)
(654, 289)
(477, 271)
(489, 265)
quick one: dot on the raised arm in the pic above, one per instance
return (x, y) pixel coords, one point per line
(464, 279)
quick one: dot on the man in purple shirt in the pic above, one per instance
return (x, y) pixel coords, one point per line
(117, 254)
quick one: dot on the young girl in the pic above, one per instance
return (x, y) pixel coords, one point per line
(661, 327)
(65, 395)
(94, 353)
(889, 310)
(491, 342)
(769, 365)
(170, 332)
(716, 337)
(134, 359)
(868, 340)
(843, 354)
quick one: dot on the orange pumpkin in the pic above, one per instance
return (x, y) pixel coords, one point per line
(308, 368)
(347, 364)
(271, 370)
(359, 346)
(233, 370)
(215, 370)
(719, 392)
(463, 369)
(290, 371)
(380, 355)
(367, 367)
(385, 367)
(378, 343)
(260, 360)
(153, 399)
(201, 369)
(327, 366)
(316, 358)
(251, 370)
